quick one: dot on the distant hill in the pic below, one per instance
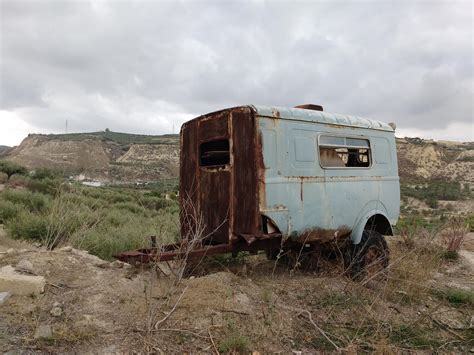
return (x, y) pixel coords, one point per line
(3, 149)
(442, 160)
(101, 155)
(110, 155)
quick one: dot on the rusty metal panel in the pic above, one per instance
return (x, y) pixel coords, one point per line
(205, 192)
(215, 187)
(214, 126)
(188, 178)
(245, 214)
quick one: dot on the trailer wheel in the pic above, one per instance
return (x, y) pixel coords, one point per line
(370, 258)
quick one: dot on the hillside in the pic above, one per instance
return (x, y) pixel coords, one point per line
(129, 157)
(101, 155)
(3, 149)
(427, 159)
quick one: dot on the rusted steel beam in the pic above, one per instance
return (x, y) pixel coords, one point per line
(179, 251)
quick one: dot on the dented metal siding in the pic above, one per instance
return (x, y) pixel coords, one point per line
(267, 175)
(309, 203)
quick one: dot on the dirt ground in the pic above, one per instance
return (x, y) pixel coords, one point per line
(240, 305)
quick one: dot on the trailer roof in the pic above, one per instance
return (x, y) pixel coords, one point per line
(299, 114)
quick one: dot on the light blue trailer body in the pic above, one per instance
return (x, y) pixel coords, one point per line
(304, 199)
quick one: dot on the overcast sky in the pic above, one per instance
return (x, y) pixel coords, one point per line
(148, 66)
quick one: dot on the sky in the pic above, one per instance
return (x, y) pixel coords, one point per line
(148, 66)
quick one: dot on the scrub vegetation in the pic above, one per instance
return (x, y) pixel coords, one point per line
(105, 221)
(422, 302)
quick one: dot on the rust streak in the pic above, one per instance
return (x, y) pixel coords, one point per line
(323, 235)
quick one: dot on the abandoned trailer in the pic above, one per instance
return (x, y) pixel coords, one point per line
(276, 179)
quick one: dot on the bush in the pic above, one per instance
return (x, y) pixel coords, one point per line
(66, 218)
(10, 168)
(434, 190)
(44, 173)
(235, 343)
(8, 210)
(27, 225)
(3, 178)
(470, 222)
(117, 218)
(19, 181)
(459, 296)
(33, 201)
(46, 186)
(157, 203)
(130, 207)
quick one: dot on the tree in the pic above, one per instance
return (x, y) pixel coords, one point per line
(10, 168)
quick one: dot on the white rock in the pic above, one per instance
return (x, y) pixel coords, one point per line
(43, 331)
(11, 251)
(4, 296)
(56, 311)
(20, 284)
(66, 249)
(127, 266)
(25, 265)
(56, 304)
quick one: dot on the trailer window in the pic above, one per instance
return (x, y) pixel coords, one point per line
(342, 152)
(215, 153)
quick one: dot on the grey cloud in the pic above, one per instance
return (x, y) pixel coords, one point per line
(115, 64)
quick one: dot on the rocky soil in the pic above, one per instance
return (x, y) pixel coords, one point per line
(90, 305)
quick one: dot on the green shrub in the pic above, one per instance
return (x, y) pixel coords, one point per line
(129, 206)
(27, 225)
(33, 201)
(3, 177)
(18, 181)
(46, 185)
(451, 255)
(44, 173)
(11, 169)
(235, 343)
(431, 190)
(8, 210)
(459, 296)
(117, 217)
(470, 222)
(156, 203)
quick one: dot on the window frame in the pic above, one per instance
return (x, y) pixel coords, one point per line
(369, 149)
(214, 167)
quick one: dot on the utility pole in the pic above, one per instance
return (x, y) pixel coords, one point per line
(66, 126)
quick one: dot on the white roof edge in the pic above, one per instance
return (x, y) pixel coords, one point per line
(320, 117)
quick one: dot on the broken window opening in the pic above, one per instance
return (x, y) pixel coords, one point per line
(336, 152)
(214, 153)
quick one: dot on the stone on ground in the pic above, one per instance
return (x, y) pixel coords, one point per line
(20, 284)
(56, 311)
(43, 331)
(4, 296)
(25, 265)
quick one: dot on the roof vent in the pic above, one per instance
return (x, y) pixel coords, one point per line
(310, 107)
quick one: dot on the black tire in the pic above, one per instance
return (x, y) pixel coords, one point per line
(370, 258)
